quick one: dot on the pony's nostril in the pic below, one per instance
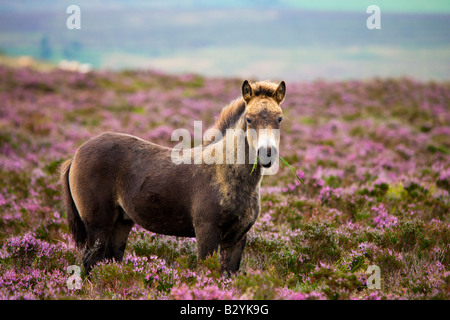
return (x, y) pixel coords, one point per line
(267, 152)
(262, 152)
(274, 152)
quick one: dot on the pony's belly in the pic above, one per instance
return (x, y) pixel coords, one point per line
(166, 222)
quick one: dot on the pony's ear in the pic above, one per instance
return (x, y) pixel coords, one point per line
(280, 92)
(247, 92)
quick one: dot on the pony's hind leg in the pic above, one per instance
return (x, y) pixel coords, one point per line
(96, 248)
(99, 224)
(106, 237)
(119, 234)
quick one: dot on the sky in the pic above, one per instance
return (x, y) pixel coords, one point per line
(397, 6)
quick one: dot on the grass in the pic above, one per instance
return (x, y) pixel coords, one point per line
(368, 189)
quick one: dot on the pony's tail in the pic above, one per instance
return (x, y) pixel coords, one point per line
(76, 225)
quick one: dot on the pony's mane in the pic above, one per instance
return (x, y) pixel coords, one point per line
(231, 113)
(264, 88)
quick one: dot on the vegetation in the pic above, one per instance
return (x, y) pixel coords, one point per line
(373, 157)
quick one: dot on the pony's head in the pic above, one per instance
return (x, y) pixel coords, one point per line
(263, 116)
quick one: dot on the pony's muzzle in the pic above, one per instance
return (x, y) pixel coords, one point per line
(267, 156)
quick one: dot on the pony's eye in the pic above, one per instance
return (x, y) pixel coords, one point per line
(280, 119)
(249, 121)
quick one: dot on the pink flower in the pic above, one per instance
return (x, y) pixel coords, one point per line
(382, 219)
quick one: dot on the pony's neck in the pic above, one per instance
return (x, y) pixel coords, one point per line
(244, 155)
(231, 154)
(231, 159)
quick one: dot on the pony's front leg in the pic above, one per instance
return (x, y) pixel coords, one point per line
(230, 255)
(208, 239)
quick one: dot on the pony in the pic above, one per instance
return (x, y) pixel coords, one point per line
(115, 180)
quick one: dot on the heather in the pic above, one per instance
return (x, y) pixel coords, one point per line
(373, 157)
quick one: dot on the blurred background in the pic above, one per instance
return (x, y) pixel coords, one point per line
(264, 39)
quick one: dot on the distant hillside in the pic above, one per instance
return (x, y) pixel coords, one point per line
(264, 42)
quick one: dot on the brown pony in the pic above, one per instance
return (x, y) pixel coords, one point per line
(115, 180)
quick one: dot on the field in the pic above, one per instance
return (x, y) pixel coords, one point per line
(374, 156)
